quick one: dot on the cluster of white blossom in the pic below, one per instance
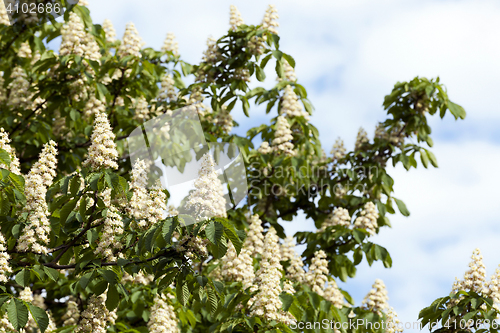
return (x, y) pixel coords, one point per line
(171, 45)
(96, 316)
(224, 119)
(380, 132)
(367, 218)
(4, 18)
(141, 113)
(75, 40)
(102, 152)
(211, 54)
(26, 295)
(35, 234)
(333, 294)
(19, 96)
(131, 43)
(138, 202)
(376, 299)
(236, 267)
(475, 277)
(287, 248)
(14, 161)
(361, 139)
(79, 89)
(254, 241)
(289, 72)
(265, 148)
(393, 324)
(290, 105)
(256, 44)
(24, 50)
(338, 150)
(295, 270)
(340, 216)
(317, 274)
(493, 289)
(72, 314)
(288, 287)
(270, 19)
(5, 325)
(235, 18)
(109, 31)
(163, 318)
(242, 74)
(93, 106)
(167, 91)
(5, 268)
(207, 199)
(113, 227)
(282, 137)
(138, 278)
(146, 207)
(395, 137)
(59, 124)
(193, 245)
(266, 303)
(158, 204)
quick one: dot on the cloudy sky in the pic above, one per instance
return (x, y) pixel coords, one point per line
(349, 54)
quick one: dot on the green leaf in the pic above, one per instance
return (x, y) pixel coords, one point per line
(51, 272)
(289, 59)
(167, 280)
(85, 280)
(469, 315)
(18, 313)
(40, 316)
(112, 180)
(100, 287)
(214, 232)
(424, 158)
(286, 301)
(17, 181)
(74, 185)
(245, 105)
(66, 210)
(233, 237)
(402, 207)
(456, 110)
(92, 236)
(259, 73)
(296, 310)
(108, 275)
(168, 228)
(113, 297)
(4, 157)
(432, 158)
(212, 299)
(23, 277)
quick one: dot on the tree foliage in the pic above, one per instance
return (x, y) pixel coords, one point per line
(64, 92)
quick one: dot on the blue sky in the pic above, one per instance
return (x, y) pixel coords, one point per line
(349, 54)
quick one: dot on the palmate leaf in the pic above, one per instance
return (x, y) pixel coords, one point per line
(40, 316)
(17, 313)
(4, 157)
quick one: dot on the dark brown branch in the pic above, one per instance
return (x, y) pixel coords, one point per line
(73, 242)
(29, 116)
(113, 263)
